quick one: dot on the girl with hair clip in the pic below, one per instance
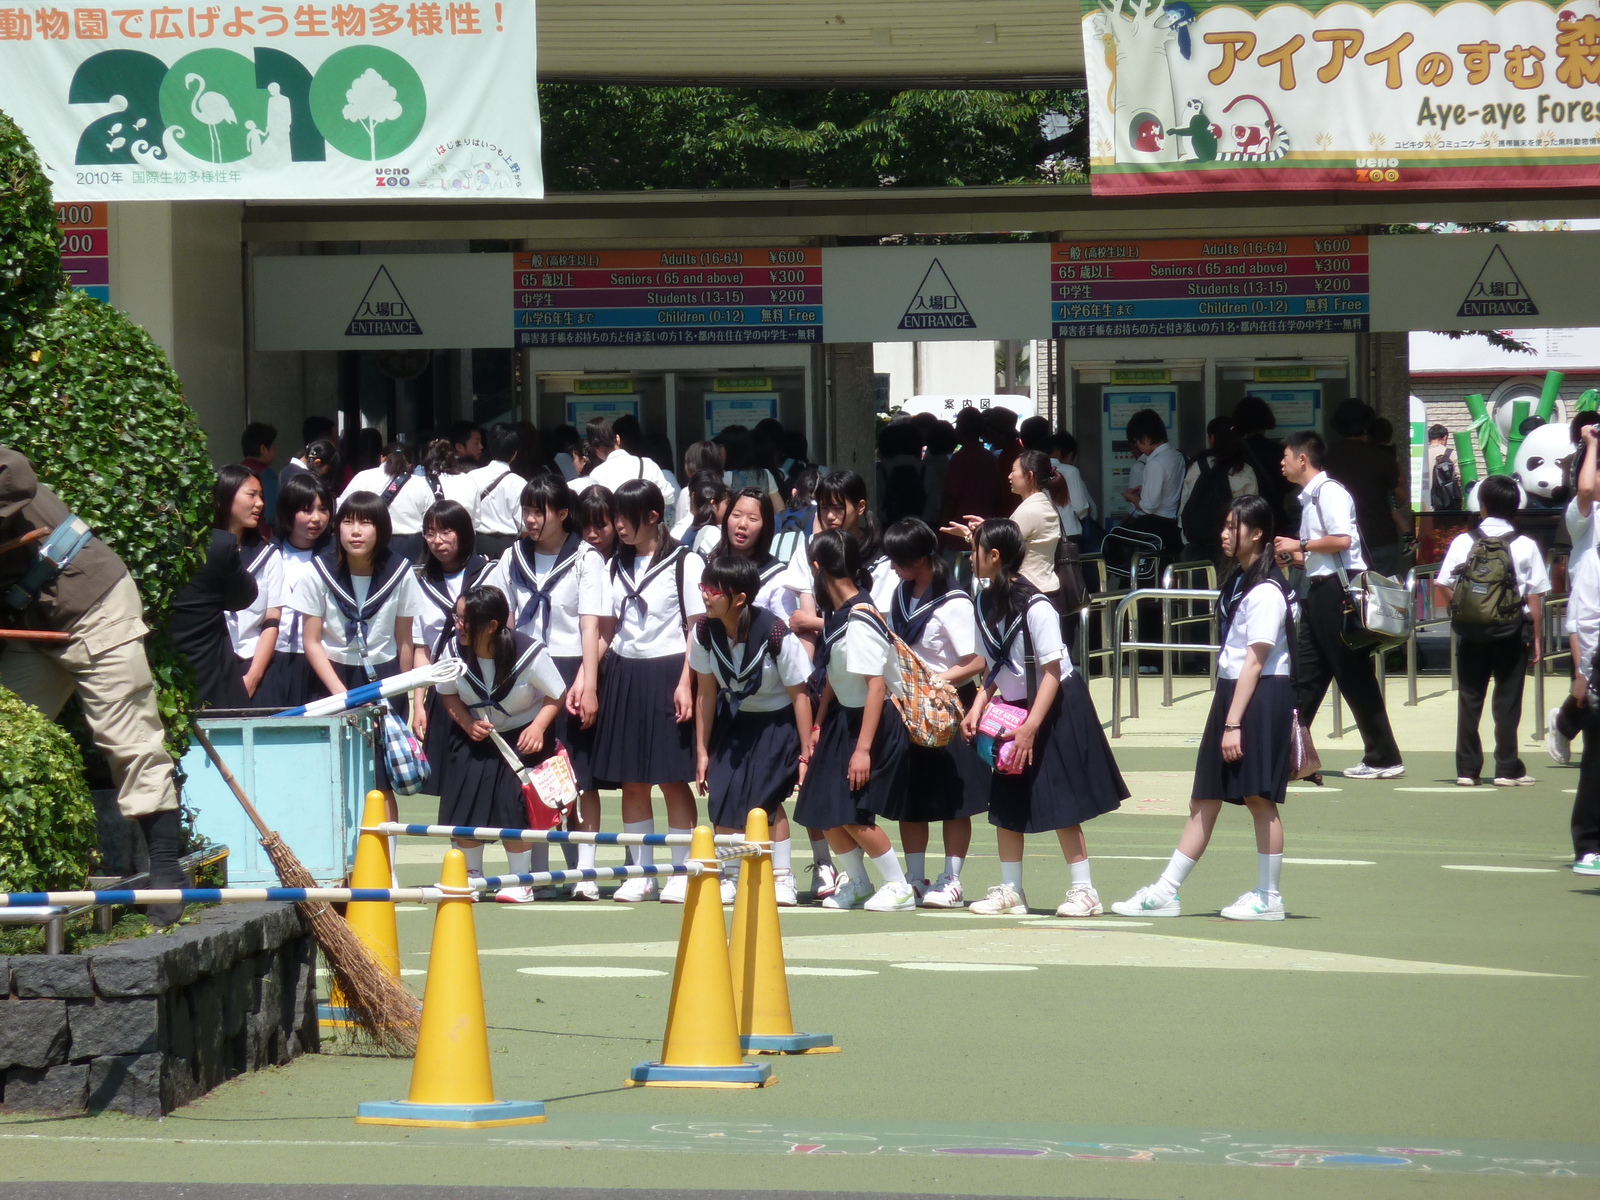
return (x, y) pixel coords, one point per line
(747, 532)
(359, 600)
(950, 783)
(645, 732)
(560, 595)
(404, 490)
(305, 510)
(450, 566)
(511, 687)
(1244, 751)
(751, 712)
(1068, 775)
(858, 747)
(708, 497)
(253, 629)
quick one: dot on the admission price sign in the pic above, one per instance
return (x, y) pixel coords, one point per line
(86, 248)
(667, 297)
(1209, 286)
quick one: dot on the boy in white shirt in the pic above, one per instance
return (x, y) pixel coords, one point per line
(1494, 582)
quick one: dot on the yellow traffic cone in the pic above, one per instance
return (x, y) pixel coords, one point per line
(451, 1084)
(755, 952)
(370, 920)
(701, 1046)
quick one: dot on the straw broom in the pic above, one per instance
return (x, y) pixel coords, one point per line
(383, 1011)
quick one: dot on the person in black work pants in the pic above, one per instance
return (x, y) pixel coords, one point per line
(1329, 538)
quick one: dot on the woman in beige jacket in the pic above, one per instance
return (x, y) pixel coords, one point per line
(1035, 479)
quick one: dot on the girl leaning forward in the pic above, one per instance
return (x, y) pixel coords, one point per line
(1244, 752)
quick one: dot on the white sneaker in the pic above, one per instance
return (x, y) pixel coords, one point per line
(1362, 771)
(1514, 781)
(675, 890)
(1253, 907)
(586, 889)
(1559, 748)
(1466, 781)
(1149, 901)
(515, 895)
(730, 890)
(633, 891)
(824, 880)
(892, 897)
(1082, 901)
(945, 893)
(1589, 864)
(783, 887)
(1003, 900)
(847, 893)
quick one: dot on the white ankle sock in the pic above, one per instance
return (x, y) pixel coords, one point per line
(643, 856)
(916, 866)
(952, 865)
(1080, 873)
(1011, 874)
(474, 859)
(783, 855)
(821, 853)
(889, 867)
(1269, 868)
(680, 854)
(854, 863)
(1175, 872)
(585, 856)
(522, 861)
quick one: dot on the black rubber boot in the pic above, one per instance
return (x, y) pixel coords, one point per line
(162, 831)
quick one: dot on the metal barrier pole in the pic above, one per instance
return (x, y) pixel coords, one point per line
(1121, 649)
(1166, 637)
(1411, 641)
(1115, 643)
(1338, 711)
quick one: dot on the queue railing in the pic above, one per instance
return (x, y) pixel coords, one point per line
(1556, 648)
(1207, 581)
(1121, 648)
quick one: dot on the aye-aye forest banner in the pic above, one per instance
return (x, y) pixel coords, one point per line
(283, 101)
(1187, 96)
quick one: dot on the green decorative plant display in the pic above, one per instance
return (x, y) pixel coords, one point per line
(47, 822)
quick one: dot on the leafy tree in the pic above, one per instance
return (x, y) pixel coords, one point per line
(369, 102)
(613, 138)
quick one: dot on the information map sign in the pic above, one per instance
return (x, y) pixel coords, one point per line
(1207, 287)
(667, 297)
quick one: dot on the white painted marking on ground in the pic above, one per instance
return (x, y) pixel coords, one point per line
(1329, 862)
(961, 966)
(830, 972)
(1311, 789)
(1136, 857)
(963, 914)
(1438, 790)
(399, 908)
(1074, 923)
(1500, 870)
(591, 972)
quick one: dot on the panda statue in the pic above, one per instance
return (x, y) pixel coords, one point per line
(1541, 465)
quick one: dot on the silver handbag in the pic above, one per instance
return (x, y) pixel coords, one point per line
(1377, 611)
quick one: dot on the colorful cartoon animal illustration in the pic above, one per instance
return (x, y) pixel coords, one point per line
(1179, 17)
(1199, 130)
(1256, 137)
(1541, 464)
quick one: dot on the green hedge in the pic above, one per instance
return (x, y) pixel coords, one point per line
(47, 821)
(30, 242)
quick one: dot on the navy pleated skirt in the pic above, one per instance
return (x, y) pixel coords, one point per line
(826, 801)
(289, 683)
(1264, 769)
(433, 745)
(477, 786)
(354, 675)
(578, 740)
(638, 738)
(946, 783)
(1073, 777)
(755, 762)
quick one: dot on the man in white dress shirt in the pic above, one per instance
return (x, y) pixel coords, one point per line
(1328, 537)
(497, 493)
(614, 466)
(1154, 498)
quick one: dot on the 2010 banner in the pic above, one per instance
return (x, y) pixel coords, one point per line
(1192, 95)
(286, 101)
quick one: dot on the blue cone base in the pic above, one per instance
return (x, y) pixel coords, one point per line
(451, 1116)
(791, 1043)
(742, 1075)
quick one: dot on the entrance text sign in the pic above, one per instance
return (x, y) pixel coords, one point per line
(1209, 287)
(667, 297)
(149, 101)
(1202, 95)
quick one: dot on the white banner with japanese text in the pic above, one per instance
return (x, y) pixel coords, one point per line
(1257, 94)
(286, 101)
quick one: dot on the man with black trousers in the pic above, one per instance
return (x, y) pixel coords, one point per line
(1328, 537)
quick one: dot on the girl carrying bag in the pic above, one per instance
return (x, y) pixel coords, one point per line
(549, 790)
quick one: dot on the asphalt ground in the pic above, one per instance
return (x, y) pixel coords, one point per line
(1425, 1014)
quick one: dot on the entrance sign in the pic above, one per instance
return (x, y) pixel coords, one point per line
(1486, 281)
(1196, 95)
(667, 297)
(936, 293)
(148, 101)
(1209, 287)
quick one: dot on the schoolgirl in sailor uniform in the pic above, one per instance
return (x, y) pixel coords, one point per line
(305, 510)
(512, 686)
(747, 532)
(1244, 751)
(949, 783)
(253, 630)
(404, 489)
(708, 500)
(645, 734)
(858, 762)
(559, 591)
(450, 566)
(751, 711)
(1069, 775)
(359, 600)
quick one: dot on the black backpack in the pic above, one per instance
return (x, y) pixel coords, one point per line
(1444, 489)
(1207, 507)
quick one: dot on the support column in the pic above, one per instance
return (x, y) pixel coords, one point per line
(1389, 383)
(851, 417)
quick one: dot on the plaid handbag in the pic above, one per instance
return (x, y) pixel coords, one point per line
(403, 757)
